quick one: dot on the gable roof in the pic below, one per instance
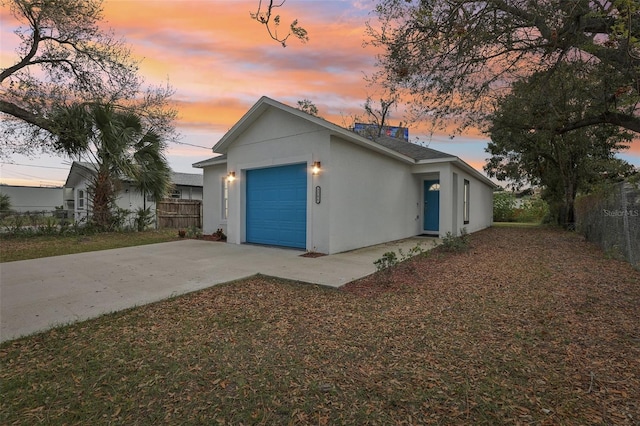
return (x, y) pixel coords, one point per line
(406, 152)
(85, 169)
(412, 150)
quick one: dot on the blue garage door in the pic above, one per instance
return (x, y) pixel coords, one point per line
(277, 206)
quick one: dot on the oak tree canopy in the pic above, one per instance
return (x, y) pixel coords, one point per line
(66, 59)
(452, 57)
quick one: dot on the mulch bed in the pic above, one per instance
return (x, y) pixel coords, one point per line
(312, 254)
(211, 237)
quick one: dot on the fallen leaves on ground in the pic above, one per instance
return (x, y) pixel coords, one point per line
(529, 326)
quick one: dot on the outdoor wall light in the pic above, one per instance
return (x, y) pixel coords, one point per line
(231, 176)
(315, 169)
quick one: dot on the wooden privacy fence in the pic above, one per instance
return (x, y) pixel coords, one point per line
(179, 213)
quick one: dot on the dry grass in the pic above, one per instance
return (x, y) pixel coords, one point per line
(18, 247)
(529, 326)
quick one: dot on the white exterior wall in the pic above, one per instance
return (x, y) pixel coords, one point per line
(31, 198)
(374, 198)
(213, 177)
(80, 214)
(452, 198)
(277, 139)
(190, 192)
(480, 203)
(131, 199)
(367, 197)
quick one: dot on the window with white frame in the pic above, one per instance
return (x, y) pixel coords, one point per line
(225, 198)
(175, 193)
(81, 197)
(465, 202)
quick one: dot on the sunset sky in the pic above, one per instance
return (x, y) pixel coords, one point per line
(220, 62)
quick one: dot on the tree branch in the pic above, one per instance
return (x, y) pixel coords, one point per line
(626, 121)
(26, 116)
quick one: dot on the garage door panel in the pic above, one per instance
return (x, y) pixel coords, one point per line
(277, 206)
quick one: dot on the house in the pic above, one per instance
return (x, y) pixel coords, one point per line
(186, 186)
(287, 178)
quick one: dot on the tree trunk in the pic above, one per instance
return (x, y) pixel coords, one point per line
(102, 201)
(569, 206)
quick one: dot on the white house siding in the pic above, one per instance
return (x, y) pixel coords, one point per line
(80, 212)
(32, 199)
(212, 198)
(452, 197)
(374, 198)
(481, 204)
(369, 193)
(278, 139)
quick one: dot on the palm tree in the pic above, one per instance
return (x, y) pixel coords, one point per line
(120, 148)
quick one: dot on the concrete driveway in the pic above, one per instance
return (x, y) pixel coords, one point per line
(38, 294)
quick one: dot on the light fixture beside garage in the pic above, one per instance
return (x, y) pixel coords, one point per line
(231, 176)
(315, 169)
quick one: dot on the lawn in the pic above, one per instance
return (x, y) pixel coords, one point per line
(529, 326)
(17, 247)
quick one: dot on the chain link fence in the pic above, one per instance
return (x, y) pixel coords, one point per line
(611, 219)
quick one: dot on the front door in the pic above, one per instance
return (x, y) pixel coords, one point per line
(432, 205)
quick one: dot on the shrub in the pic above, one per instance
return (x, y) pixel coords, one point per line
(503, 206)
(453, 243)
(387, 260)
(194, 232)
(143, 219)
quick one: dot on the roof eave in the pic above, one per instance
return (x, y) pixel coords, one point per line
(460, 163)
(209, 162)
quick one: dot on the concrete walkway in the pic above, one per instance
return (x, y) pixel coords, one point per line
(38, 294)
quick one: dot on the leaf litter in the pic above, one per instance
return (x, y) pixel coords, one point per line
(528, 326)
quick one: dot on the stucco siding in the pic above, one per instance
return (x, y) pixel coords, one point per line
(367, 192)
(278, 139)
(480, 203)
(212, 207)
(374, 198)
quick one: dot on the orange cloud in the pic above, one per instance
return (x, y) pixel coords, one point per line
(220, 62)
(212, 52)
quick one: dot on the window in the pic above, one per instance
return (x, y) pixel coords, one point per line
(465, 202)
(176, 193)
(225, 198)
(81, 199)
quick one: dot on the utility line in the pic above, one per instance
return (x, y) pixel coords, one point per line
(35, 165)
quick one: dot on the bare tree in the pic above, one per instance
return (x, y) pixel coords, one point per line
(272, 22)
(308, 106)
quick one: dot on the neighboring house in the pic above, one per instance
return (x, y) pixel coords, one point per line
(186, 186)
(33, 198)
(263, 189)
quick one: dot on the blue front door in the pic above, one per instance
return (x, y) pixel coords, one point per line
(431, 205)
(276, 207)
